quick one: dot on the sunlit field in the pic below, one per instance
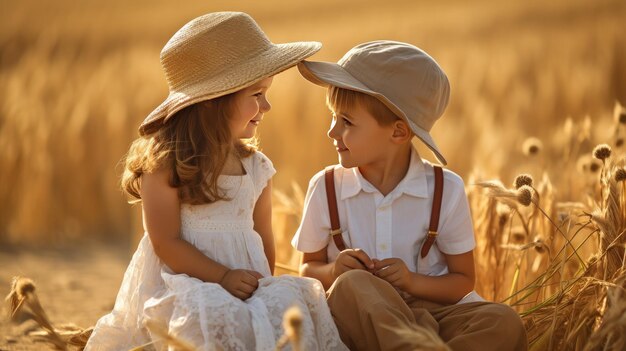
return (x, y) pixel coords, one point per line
(536, 87)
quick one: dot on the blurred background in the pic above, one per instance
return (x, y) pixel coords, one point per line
(536, 85)
(77, 78)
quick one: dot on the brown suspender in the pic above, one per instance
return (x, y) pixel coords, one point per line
(434, 213)
(331, 197)
(335, 227)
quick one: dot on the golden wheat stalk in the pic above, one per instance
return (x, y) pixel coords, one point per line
(69, 333)
(292, 324)
(23, 294)
(165, 336)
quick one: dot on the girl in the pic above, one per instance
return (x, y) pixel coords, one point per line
(203, 271)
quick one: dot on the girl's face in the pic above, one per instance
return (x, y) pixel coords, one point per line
(359, 139)
(249, 105)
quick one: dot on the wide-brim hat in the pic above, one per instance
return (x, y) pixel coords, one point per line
(218, 54)
(403, 77)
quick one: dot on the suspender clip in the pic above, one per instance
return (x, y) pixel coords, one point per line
(336, 232)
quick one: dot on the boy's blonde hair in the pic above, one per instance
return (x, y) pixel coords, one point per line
(194, 145)
(340, 99)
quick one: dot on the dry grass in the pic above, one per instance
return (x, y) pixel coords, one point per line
(24, 302)
(534, 85)
(76, 80)
(561, 265)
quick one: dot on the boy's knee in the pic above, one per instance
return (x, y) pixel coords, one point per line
(348, 288)
(352, 279)
(503, 315)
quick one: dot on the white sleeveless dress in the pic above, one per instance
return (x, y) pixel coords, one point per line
(204, 314)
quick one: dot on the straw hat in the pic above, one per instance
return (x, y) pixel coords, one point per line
(403, 77)
(218, 54)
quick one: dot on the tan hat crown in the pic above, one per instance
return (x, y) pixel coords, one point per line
(404, 74)
(403, 77)
(192, 55)
(217, 54)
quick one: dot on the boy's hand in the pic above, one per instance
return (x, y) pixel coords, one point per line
(241, 283)
(350, 259)
(394, 271)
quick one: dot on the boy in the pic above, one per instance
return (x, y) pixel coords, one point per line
(400, 253)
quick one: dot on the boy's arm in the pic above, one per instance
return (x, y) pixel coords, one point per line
(447, 289)
(315, 265)
(262, 217)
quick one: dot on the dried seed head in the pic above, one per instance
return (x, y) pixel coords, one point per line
(540, 245)
(588, 164)
(292, 323)
(619, 142)
(502, 219)
(293, 317)
(523, 179)
(532, 146)
(620, 174)
(602, 152)
(595, 166)
(620, 113)
(525, 195)
(23, 286)
(562, 216)
(518, 235)
(504, 213)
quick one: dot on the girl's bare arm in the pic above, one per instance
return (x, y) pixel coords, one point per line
(262, 217)
(161, 219)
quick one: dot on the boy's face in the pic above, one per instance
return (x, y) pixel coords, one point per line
(359, 139)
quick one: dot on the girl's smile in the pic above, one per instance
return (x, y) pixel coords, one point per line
(341, 148)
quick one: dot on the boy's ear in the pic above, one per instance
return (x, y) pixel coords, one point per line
(401, 132)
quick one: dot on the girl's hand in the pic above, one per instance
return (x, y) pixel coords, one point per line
(350, 259)
(394, 271)
(241, 283)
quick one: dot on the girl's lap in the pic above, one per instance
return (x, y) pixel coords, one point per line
(185, 288)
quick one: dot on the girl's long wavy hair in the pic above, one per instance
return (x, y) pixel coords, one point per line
(194, 145)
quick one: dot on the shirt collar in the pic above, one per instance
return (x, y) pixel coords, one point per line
(414, 182)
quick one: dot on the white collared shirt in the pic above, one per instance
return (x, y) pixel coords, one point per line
(389, 226)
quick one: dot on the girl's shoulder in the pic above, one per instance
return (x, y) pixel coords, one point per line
(260, 168)
(257, 159)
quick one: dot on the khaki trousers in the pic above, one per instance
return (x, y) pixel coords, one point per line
(371, 315)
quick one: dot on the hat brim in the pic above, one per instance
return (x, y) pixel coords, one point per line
(276, 59)
(329, 73)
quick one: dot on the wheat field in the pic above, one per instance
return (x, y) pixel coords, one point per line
(536, 86)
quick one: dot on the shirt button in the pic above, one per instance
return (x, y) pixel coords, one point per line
(382, 247)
